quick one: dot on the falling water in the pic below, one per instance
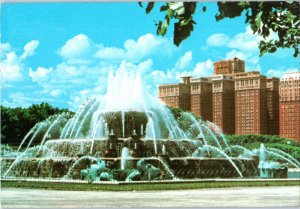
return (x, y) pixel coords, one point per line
(282, 157)
(164, 150)
(76, 119)
(199, 127)
(262, 161)
(165, 166)
(212, 135)
(79, 161)
(41, 126)
(246, 151)
(81, 148)
(151, 134)
(83, 121)
(262, 155)
(125, 155)
(284, 154)
(218, 131)
(48, 131)
(142, 130)
(30, 153)
(123, 123)
(226, 156)
(26, 136)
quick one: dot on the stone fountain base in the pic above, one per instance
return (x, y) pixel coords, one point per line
(68, 158)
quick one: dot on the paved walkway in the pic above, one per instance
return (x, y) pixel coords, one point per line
(226, 197)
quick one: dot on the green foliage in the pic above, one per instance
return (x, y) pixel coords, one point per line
(176, 112)
(264, 17)
(281, 17)
(271, 141)
(180, 11)
(16, 122)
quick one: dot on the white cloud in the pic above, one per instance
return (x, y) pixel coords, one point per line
(77, 49)
(157, 77)
(30, 48)
(246, 41)
(110, 53)
(251, 59)
(147, 45)
(17, 99)
(243, 46)
(280, 72)
(55, 92)
(11, 68)
(234, 53)
(203, 68)
(82, 50)
(136, 50)
(12, 65)
(40, 74)
(24, 99)
(4, 48)
(145, 66)
(218, 39)
(184, 61)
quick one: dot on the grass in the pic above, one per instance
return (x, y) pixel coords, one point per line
(142, 186)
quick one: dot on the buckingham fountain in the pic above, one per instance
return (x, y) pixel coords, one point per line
(129, 135)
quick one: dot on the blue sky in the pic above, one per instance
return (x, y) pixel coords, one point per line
(61, 53)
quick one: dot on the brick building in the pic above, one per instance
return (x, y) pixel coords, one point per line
(289, 106)
(231, 66)
(201, 97)
(177, 95)
(223, 103)
(250, 103)
(247, 99)
(273, 106)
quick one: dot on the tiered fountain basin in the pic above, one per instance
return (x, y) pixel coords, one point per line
(67, 158)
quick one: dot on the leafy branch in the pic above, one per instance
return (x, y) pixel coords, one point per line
(266, 19)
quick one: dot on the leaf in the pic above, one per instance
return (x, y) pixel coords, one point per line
(162, 27)
(164, 8)
(258, 19)
(272, 49)
(229, 9)
(182, 32)
(140, 4)
(149, 7)
(170, 13)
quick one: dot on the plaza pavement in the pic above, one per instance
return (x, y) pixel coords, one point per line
(283, 196)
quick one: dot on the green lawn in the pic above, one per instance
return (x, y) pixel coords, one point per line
(142, 186)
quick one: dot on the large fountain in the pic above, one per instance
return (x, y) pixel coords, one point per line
(129, 135)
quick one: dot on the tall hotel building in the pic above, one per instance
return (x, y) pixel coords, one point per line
(177, 95)
(223, 93)
(223, 103)
(273, 106)
(250, 102)
(240, 102)
(201, 98)
(289, 106)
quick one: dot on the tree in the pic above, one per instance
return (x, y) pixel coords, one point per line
(16, 122)
(264, 17)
